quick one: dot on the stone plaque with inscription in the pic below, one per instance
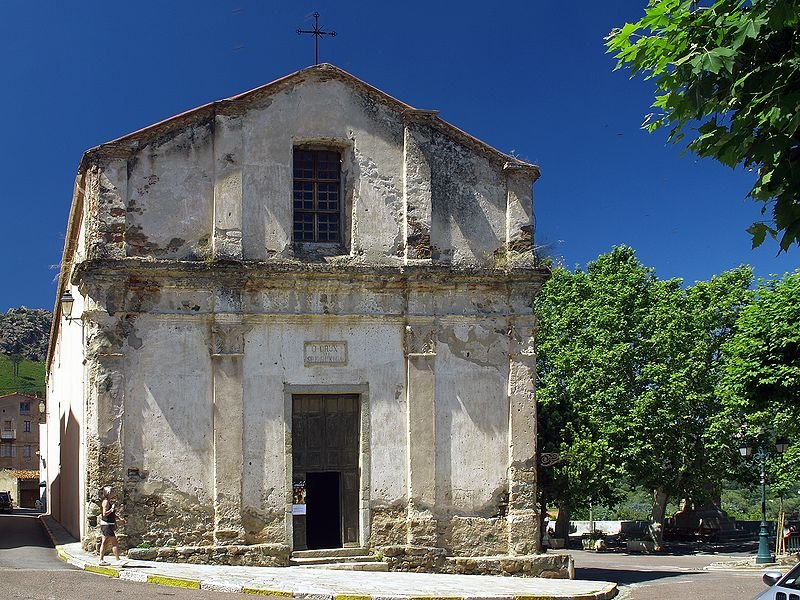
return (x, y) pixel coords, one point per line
(325, 353)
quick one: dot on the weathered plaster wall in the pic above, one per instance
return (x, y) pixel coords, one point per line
(66, 426)
(326, 113)
(468, 200)
(471, 415)
(169, 408)
(274, 366)
(169, 432)
(170, 193)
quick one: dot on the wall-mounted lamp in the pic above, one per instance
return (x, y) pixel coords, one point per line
(42, 407)
(67, 301)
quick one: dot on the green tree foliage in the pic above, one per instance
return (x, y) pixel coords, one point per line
(589, 362)
(628, 365)
(669, 449)
(761, 383)
(731, 71)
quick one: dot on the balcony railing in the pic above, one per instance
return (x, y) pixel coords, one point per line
(8, 434)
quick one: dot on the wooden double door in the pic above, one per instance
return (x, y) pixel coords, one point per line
(325, 477)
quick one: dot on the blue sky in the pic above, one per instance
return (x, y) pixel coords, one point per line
(528, 77)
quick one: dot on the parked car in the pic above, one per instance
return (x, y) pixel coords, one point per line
(782, 587)
(5, 501)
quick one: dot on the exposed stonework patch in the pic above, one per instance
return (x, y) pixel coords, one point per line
(101, 340)
(102, 463)
(137, 244)
(143, 294)
(523, 241)
(256, 555)
(388, 527)
(472, 535)
(418, 240)
(160, 515)
(422, 527)
(416, 559)
(261, 527)
(552, 566)
(126, 330)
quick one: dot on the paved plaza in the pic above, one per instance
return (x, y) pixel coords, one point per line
(303, 582)
(329, 584)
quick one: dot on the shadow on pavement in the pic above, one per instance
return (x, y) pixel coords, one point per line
(679, 549)
(624, 576)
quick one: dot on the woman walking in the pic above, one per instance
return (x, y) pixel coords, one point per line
(108, 523)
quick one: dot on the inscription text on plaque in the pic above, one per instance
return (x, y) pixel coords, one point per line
(325, 353)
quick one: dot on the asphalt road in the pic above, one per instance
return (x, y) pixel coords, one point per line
(24, 544)
(31, 570)
(669, 576)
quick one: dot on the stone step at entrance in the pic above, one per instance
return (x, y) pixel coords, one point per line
(351, 559)
(372, 565)
(331, 553)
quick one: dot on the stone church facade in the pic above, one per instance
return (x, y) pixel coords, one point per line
(302, 319)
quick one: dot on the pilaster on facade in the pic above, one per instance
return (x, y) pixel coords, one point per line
(420, 341)
(227, 352)
(105, 407)
(417, 195)
(228, 191)
(523, 521)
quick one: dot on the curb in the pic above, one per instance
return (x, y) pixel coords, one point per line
(174, 581)
(747, 567)
(102, 570)
(55, 536)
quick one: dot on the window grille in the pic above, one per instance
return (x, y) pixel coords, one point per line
(316, 196)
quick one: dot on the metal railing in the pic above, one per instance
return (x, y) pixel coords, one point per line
(791, 544)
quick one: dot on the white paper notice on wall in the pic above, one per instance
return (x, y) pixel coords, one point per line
(298, 509)
(325, 353)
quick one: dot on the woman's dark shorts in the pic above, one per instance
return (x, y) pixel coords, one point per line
(107, 530)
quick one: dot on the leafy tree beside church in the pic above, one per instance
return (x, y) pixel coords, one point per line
(760, 386)
(628, 367)
(727, 75)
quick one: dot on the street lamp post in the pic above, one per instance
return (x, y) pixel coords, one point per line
(764, 555)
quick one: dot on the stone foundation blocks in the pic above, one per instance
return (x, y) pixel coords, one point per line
(257, 555)
(552, 566)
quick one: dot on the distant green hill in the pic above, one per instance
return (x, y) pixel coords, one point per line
(30, 380)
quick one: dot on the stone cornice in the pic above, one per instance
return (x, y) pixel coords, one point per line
(276, 272)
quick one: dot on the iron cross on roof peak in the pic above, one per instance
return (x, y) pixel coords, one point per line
(316, 32)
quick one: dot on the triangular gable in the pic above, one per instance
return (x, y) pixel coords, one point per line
(237, 104)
